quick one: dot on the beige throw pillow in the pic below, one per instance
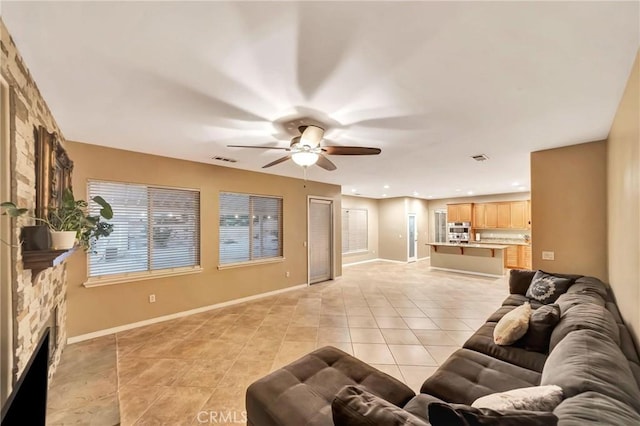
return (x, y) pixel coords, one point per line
(512, 326)
(536, 398)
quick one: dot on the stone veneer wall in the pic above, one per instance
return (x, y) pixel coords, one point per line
(32, 302)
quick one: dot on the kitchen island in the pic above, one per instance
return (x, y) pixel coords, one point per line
(477, 259)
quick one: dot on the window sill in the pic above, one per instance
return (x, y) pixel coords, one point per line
(127, 278)
(348, 253)
(251, 263)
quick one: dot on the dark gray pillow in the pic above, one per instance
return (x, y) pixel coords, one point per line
(520, 280)
(441, 414)
(354, 406)
(541, 324)
(546, 288)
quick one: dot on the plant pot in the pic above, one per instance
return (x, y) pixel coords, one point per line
(35, 238)
(63, 240)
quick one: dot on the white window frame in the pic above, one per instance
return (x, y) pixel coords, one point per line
(345, 237)
(260, 261)
(126, 277)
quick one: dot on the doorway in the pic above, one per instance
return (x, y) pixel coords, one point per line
(412, 238)
(320, 240)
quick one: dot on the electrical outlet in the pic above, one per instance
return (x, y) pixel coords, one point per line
(287, 274)
(548, 255)
(152, 298)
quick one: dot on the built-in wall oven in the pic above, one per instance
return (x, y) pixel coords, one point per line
(459, 232)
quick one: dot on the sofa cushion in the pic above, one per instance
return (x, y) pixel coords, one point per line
(585, 361)
(569, 300)
(518, 299)
(419, 405)
(467, 375)
(482, 341)
(585, 316)
(613, 308)
(546, 288)
(512, 326)
(534, 398)
(302, 392)
(541, 324)
(441, 414)
(354, 406)
(590, 285)
(627, 345)
(592, 408)
(520, 280)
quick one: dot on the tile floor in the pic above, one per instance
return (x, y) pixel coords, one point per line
(403, 319)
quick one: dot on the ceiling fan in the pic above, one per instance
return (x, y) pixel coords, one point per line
(305, 150)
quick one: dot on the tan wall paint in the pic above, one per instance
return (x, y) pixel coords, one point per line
(623, 176)
(421, 209)
(568, 209)
(98, 308)
(392, 232)
(371, 206)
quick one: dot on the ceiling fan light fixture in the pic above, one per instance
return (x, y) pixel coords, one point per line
(304, 158)
(311, 136)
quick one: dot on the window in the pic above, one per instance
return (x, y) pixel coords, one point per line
(354, 230)
(250, 228)
(440, 226)
(153, 229)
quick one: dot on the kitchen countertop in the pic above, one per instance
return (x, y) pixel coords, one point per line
(473, 245)
(507, 242)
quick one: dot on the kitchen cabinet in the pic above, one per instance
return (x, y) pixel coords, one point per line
(491, 215)
(518, 213)
(511, 257)
(479, 216)
(524, 257)
(504, 215)
(459, 212)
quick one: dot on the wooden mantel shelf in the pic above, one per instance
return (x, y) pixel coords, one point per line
(39, 260)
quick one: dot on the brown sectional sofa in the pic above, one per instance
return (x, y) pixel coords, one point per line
(591, 357)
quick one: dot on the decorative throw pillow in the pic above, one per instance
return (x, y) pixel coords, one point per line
(541, 324)
(546, 288)
(441, 414)
(512, 326)
(536, 398)
(354, 406)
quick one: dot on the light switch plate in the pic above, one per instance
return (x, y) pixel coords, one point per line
(548, 255)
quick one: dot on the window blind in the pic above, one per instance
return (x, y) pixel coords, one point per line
(250, 228)
(354, 230)
(153, 229)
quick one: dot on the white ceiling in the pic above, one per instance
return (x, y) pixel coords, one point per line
(430, 83)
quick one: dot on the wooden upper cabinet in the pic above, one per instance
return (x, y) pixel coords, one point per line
(478, 216)
(518, 214)
(491, 215)
(459, 212)
(504, 215)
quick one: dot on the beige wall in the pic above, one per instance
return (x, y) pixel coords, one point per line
(568, 209)
(371, 206)
(623, 176)
(98, 308)
(393, 229)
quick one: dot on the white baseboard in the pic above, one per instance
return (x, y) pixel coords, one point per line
(424, 258)
(459, 271)
(112, 330)
(392, 261)
(360, 262)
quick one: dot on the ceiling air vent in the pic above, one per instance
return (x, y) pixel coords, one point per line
(480, 157)
(226, 160)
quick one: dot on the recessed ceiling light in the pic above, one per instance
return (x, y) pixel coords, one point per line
(429, 196)
(384, 195)
(515, 184)
(458, 190)
(386, 187)
(522, 188)
(354, 190)
(469, 192)
(415, 194)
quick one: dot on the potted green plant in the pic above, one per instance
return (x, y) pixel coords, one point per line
(70, 222)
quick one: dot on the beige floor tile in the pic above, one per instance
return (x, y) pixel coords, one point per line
(399, 336)
(434, 338)
(343, 346)
(362, 321)
(412, 355)
(391, 322)
(366, 335)
(358, 310)
(333, 334)
(421, 324)
(291, 351)
(155, 372)
(301, 334)
(414, 376)
(390, 369)
(438, 313)
(451, 324)
(441, 353)
(474, 323)
(176, 405)
(103, 411)
(384, 311)
(373, 353)
(334, 321)
(135, 400)
(410, 313)
(460, 336)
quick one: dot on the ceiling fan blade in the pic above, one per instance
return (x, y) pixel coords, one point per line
(278, 161)
(351, 150)
(325, 163)
(257, 147)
